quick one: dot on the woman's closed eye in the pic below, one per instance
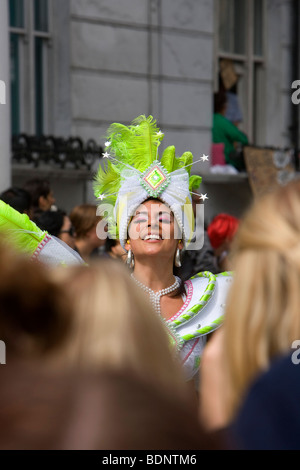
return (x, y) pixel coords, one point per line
(139, 220)
(165, 218)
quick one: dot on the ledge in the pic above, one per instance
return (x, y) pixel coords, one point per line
(224, 178)
(19, 170)
(47, 171)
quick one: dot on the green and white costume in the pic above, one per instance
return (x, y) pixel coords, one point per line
(201, 314)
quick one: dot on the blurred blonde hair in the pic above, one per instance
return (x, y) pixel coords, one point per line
(263, 307)
(34, 312)
(113, 324)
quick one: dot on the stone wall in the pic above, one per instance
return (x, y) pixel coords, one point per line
(134, 57)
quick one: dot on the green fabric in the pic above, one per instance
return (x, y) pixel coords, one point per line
(223, 131)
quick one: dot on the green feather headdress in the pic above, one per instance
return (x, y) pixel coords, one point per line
(134, 149)
(137, 146)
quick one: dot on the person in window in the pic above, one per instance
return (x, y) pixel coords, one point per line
(233, 110)
(224, 131)
(228, 83)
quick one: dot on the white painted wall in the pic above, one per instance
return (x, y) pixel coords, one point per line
(5, 166)
(135, 57)
(278, 73)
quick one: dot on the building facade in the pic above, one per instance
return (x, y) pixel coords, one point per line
(75, 66)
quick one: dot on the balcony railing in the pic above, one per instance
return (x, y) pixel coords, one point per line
(71, 153)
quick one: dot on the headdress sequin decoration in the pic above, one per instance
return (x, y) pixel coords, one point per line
(133, 174)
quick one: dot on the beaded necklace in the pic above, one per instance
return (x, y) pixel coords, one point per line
(155, 296)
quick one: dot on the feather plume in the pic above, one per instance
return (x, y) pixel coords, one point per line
(194, 182)
(168, 158)
(107, 182)
(186, 160)
(19, 230)
(144, 145)
(135, 145)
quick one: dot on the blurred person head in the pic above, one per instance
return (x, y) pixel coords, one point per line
(18, 198)
(221, 232)
(34, 314)
(114, 326)
(42, 198)
(262, 313)
(57, 223)
(78, 410)
(84, 219)
(133, 413)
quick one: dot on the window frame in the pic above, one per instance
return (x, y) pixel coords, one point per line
(245, 64)
(27, 69)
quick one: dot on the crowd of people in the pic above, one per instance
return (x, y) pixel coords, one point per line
(137, 342)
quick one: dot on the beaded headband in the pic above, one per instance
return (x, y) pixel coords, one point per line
(134, 174)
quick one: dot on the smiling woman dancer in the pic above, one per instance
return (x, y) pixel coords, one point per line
(147, 204)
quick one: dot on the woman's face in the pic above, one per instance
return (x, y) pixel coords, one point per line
(45, 203)
(153, 230)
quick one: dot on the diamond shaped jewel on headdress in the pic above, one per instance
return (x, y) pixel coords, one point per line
(155, 179)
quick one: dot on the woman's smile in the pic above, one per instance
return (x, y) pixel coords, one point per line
(152, 239)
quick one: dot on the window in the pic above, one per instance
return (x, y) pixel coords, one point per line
(30, 38)
(239, 39)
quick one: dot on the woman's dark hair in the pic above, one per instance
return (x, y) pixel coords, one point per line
(51, 221)
(37, 187)
(109, 244)
(17, 198)
(220, 101)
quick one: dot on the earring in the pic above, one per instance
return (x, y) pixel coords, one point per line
(177, 258)
(130, 259)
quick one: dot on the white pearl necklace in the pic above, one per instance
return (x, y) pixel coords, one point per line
(155, 296)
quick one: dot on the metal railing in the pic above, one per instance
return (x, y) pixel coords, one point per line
(56, 151)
